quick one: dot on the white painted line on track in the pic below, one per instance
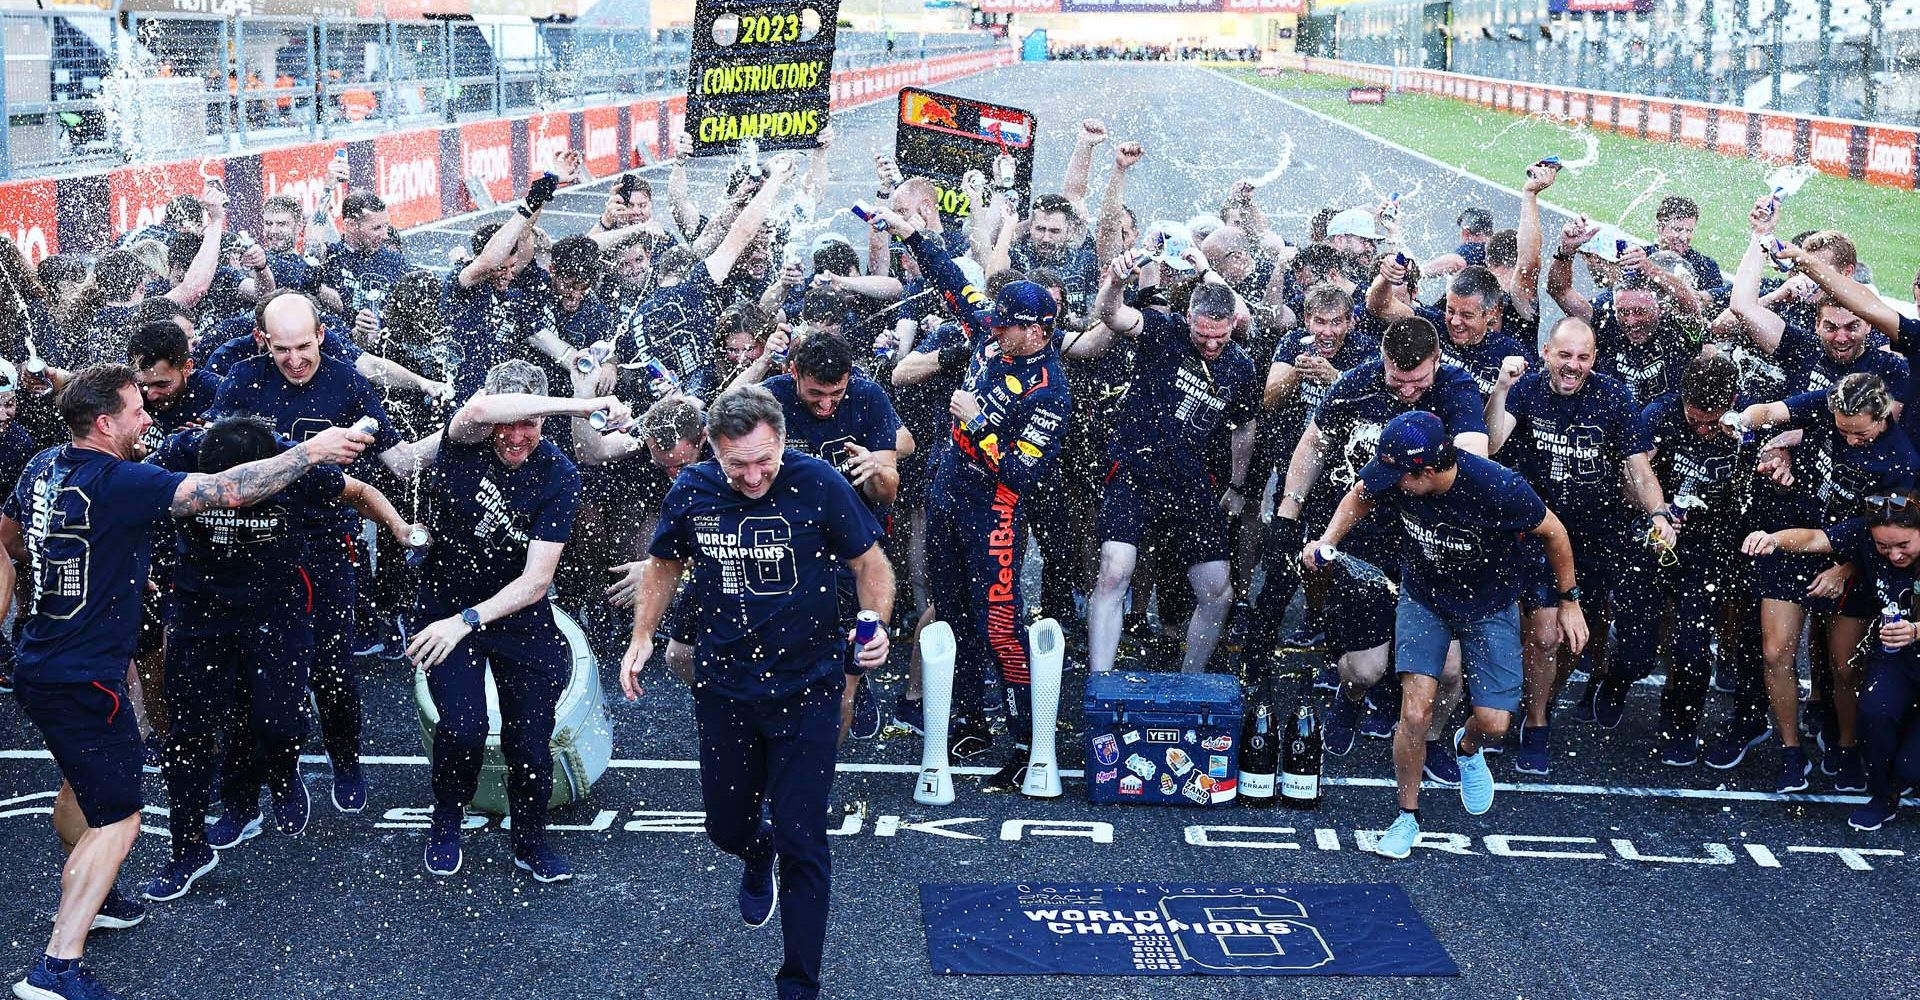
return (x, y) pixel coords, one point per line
(853, 767)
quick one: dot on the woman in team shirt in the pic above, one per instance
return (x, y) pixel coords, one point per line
(1883, 542)
(1849, 448)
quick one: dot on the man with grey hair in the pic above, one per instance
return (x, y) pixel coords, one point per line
(504, 507)
(1471, 320)
(765, 530)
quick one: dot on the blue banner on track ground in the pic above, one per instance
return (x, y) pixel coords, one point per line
(1153, 929)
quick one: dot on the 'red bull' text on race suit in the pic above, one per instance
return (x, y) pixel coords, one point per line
(976, 531)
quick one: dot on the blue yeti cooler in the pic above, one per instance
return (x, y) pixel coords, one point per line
(1162, 739)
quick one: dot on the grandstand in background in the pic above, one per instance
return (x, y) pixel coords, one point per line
(1844, 58)
(93, 86)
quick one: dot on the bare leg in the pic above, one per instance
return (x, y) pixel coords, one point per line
(1448, 694)
(86, 879)
(1843, 649)
(1213, 593)
(1780, 623)
(1104, 614)
(1410, 739)
(1540, 651)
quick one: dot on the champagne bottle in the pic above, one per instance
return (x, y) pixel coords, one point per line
(1300, 760)
(1259, 753)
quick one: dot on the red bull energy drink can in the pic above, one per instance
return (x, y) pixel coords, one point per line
(366, 425)
(593, 357)
(868, 214)
(1325, 555)
(1889, 615)
(866, 627)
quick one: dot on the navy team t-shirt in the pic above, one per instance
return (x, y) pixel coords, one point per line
(1350, 419)
(1837, 476)
(1462, 545)
(484, 518)
(86, 517)
(1852, 542)
(764, 573)
(1178, 401)
(244, 565)
(865, 417)
(1570, 448)
(336, 396)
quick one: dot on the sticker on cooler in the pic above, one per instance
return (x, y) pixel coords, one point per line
(1106, 749)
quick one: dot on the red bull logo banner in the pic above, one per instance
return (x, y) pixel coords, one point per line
(943, 136)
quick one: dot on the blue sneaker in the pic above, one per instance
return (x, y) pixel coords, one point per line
(443, 855)
(1397, 841)
(77, 983)
(1441, 767)
(1848, 771)
(1794, 769)
(349, 789)
(118, 912)
(542, 862)
(1730, 748)
(1876, 813)
(231, 830)
(1337, 738)
(1532, 757)
(1380, 721)
(1582, 710)
(1476, 782)
(910, 714)
(866, 711)
(179, 874)
(292, 812)
(1327, 678)
(1680, 750)
(1723, 679)
(1815, 723)
(1610, 704)
(760, 891)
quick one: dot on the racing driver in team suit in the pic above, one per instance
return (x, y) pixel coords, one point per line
(1008, 415)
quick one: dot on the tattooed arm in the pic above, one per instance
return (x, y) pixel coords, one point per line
(255, 481)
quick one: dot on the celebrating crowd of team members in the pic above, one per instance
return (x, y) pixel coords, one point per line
(728, 424)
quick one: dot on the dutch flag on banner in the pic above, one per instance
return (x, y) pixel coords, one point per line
(1009, 127)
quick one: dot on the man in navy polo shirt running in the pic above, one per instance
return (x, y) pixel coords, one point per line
(1462, 514)
(766, 531)
(81, 516)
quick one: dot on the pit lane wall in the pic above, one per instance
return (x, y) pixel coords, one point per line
(1878, 154)
(421, 174)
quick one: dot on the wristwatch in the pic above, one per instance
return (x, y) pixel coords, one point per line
(1570, 596)
(472, 618)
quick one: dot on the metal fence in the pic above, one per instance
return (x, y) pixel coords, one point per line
(1846, 58)
(85, 88)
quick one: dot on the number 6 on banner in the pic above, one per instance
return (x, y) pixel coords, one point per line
(934, 787)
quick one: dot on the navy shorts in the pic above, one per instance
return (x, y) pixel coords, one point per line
(1359, 615)
(1599, 566)
(1184, 519)
(95, 740)
(1489, 650)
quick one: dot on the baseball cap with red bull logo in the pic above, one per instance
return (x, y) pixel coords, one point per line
(1409, 443)
(1022, 302)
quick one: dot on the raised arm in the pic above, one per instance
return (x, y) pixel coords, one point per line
(475, 420)
(1500, 423)
(1764, 326)
(1093, 132)
(1111, 224)
(1526, 270)
(1560, 273)
(1381, 301)
(1847, 293)
(199, 277)
(1110, 304)
(746, 225)
(253, 482)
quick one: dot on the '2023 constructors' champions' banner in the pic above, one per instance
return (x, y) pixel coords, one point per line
(760, 71)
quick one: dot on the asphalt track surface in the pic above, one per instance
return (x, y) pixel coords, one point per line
(1591, 886)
